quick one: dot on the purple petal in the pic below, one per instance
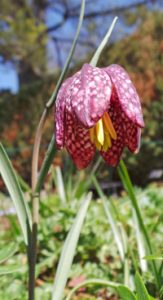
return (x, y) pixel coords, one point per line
(60, 109)
(132, 139)
(91, 92)
(127, 94)
(77, 140)
(112, 156)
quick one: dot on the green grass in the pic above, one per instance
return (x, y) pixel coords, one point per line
(96, 255)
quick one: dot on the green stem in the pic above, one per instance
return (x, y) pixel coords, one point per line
(128, 185)
(33, 246)
(46, 165)
(37, 183)
(36, 149)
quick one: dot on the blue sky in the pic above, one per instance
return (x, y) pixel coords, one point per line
(8, 77)
(8, 73)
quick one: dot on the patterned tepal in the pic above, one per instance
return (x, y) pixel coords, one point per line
(98, 108)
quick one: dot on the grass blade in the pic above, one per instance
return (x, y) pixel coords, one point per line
(154, 257)
(60, 184)
(12, 269)
(68, 251)
(125, 293)
(7, 252)
(123, 173)
(141, 290)
(97, 54)
(140, 244)
(112, 222)
(12, 184)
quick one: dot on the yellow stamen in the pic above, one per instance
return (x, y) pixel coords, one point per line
(100, 132)
(97, 144)
(109, 126)
(92, 134)
(107, 142)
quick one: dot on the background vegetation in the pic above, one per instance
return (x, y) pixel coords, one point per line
(26, 44)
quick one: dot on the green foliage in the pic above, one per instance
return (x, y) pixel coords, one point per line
(68, 250)
(22, 40)
(125, 293)
(96, 254)
(142, 293)
(12, 184)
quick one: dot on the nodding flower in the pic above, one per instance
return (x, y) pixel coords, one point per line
(98, 108)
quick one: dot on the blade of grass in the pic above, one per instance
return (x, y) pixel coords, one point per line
(102, 45)
(60, 184)
(7, 251)
(15, 192)
(140, 243)
(108, 211)
(46, 164)
(12, 269)
(141, 290)
(125, 293)
(154, 256)
(68, 251)
(123, 173)
(84, 185)
(126, 259)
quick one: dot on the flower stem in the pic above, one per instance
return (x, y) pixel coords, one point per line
(33, 247)
(36, 184)
(37, 148)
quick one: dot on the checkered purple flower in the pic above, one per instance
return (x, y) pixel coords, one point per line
(98, 108)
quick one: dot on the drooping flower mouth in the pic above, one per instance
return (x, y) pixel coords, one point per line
(102, 134)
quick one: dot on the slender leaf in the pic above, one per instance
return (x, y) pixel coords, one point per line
(125, 293)
(46, 164)
(124, 175)
(112, 222)
(141, 290)
(140, 243)
(68, 251)
(12, 269)
(15, 192)
(103, 43)
(60, 185)
(7, 251)
(154, 257)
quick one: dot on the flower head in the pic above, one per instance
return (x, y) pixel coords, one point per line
(98, 109)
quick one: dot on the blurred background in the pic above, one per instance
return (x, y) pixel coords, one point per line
(35, 37)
